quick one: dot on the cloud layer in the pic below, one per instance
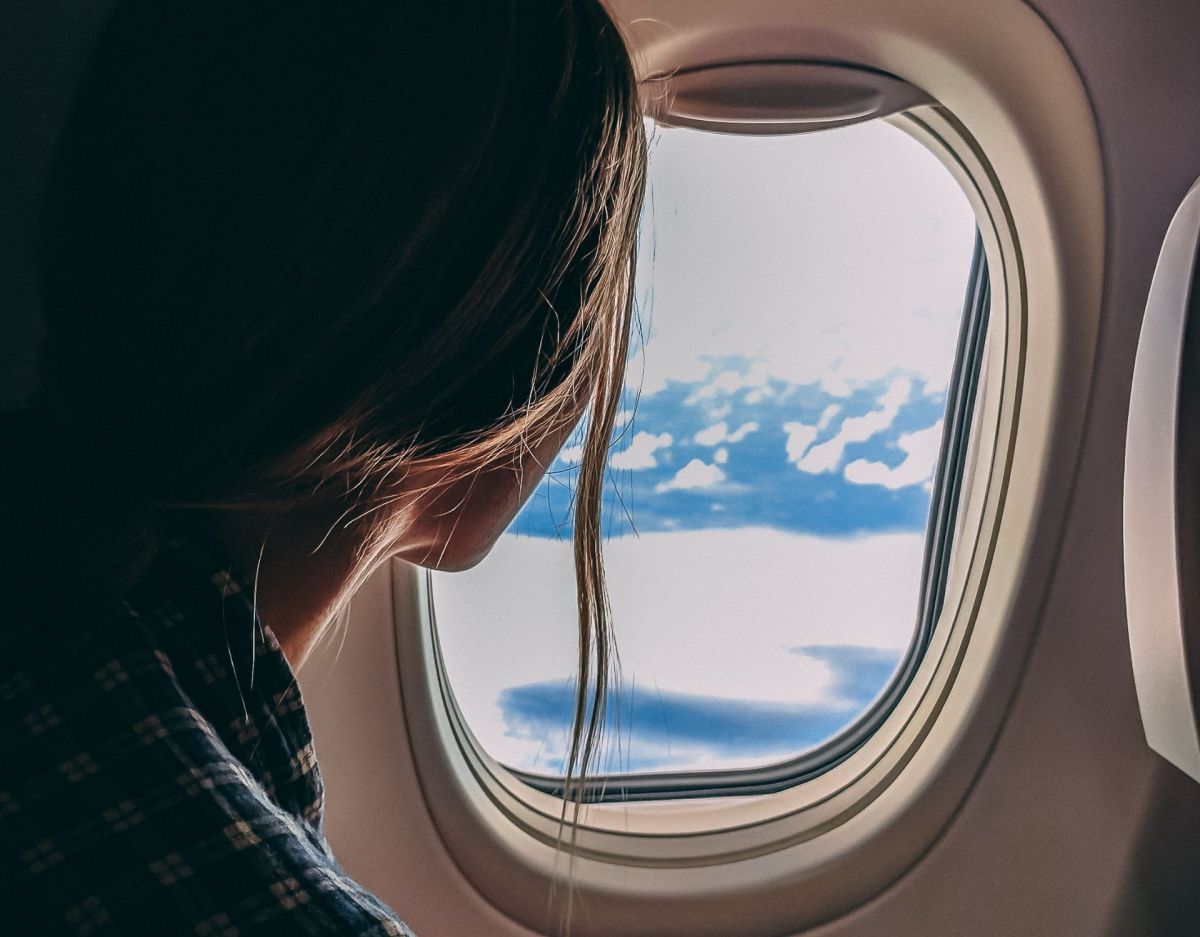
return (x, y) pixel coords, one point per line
(797, 459)
(651, 729)
(740, 616)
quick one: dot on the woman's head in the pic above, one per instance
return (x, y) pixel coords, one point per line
(310, 250)
(289, 246)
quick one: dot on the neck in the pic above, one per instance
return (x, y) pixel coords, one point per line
(301, 563)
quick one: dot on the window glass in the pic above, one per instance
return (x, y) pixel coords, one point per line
(799, 300)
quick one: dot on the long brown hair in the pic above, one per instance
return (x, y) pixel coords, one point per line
(298, 247)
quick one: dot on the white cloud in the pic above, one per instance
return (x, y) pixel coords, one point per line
(570, 455)
(896, 396)
(823, 458)
(827, 415)
(727, 382)
(640, 454)
(694, 476)
(673, 596)
(712, 435)
(828, 455)
(730, 382)
(721, 456)
(799, 437)
(742, 432)
(921, 452)
(719, 433)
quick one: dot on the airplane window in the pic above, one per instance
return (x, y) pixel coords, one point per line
(768, 523)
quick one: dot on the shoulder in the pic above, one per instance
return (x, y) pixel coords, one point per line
(132, 794)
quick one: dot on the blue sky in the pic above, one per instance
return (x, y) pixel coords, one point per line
(799, 300)
(750, 475)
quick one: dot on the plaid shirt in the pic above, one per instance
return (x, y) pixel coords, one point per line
(157, 774)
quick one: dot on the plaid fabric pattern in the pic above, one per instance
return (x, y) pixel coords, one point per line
(157, 773)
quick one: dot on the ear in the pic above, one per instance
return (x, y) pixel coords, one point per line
(456, 518)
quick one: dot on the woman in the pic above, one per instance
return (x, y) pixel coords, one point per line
(324, 283)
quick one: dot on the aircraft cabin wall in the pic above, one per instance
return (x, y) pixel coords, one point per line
(1027, 800)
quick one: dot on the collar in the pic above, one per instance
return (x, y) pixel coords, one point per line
(230, 664)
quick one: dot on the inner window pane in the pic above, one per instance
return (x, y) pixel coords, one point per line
(800, 299)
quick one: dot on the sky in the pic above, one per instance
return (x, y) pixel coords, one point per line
(798, 303)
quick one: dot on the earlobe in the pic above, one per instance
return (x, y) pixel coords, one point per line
(455, 522)
(457, 518)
